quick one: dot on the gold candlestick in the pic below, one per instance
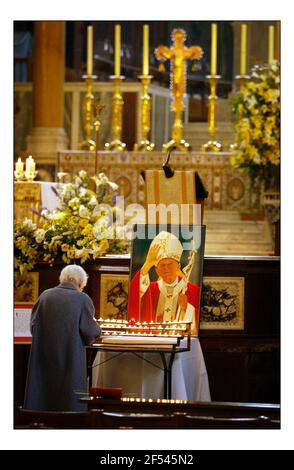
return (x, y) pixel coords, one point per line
(212, 145)
(30, 171)
(88, 143)
(117, 106)
(98, 107)
(19, 170)
(145, 144)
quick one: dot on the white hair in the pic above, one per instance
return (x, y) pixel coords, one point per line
(74, 274)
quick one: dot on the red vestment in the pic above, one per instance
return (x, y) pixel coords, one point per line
(146, 309)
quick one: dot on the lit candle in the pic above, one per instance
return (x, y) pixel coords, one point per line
(145, 70)
(19, 166)
(90, 50)
(213, 57)
(243, 49)
(117, 50)
(30, 165)
(271, 40)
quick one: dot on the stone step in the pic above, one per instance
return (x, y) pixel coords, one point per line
(236, 238)
(196, 133)
(235, 227)
(227, 234)
(238, 251)
(221, 216)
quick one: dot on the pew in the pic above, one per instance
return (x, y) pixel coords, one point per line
(199, 408)
(33, 419)
(154, 414)
(138, 421)
(210, 422)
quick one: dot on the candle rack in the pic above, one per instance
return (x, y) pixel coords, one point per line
(212, 145)
(146, 334)
(88, 143)
(117, 107)
(145, 143)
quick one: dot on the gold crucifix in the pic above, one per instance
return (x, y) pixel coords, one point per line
(178, 55)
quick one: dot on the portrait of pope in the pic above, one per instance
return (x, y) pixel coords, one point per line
(170, 294)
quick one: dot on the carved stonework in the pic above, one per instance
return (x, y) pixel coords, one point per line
(228, 188)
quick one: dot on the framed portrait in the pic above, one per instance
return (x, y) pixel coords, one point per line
(222, 304)
(166, 273)
(114, 290)
(26, 288)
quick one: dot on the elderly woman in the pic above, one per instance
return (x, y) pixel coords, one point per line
(62, 324)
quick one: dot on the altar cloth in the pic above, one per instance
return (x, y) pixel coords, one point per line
(139, 378)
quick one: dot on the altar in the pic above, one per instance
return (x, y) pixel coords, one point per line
(228, 188)
(141, 375)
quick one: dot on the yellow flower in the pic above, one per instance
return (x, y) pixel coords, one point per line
(82, 242)
(88, 229)
(83, 222)
(48, 258)
(256, 121)
(71, 252)
(104, 244)
(256, 134)
(64, 247)
(21, 242)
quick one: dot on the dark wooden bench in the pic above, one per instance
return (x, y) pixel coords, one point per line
(199, 408)
(33, 419)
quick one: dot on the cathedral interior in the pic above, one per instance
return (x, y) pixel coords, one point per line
(122, 98)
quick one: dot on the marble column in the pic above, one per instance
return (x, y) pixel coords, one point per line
(48, 136)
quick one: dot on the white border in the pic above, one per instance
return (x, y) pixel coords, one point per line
(130, 10)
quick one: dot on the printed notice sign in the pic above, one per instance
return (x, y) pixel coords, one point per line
(21, 323)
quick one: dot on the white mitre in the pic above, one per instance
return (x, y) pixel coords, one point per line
(170, 246)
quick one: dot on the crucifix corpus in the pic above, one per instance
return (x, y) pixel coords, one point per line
(178, 54)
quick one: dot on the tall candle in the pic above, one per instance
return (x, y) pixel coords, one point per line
(271, 40)
(19, 166)
(117, 50)
(213, 57)
(145, 70)
(243, 49)
(30, 165)
(90, 50)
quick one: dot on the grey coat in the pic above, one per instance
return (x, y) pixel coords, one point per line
(61, 324)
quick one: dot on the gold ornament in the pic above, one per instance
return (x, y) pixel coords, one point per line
(161, 67)
(194, 67)
(178, 54)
